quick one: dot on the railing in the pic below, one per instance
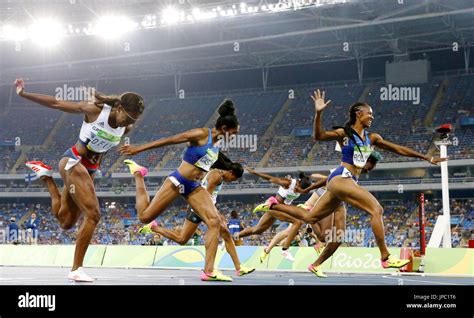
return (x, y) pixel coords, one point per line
(154, 188)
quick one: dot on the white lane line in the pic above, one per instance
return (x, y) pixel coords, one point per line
(424, 281)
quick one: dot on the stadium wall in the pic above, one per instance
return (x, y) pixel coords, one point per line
(345, 260)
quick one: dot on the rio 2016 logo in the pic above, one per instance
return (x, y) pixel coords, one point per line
(366, 261)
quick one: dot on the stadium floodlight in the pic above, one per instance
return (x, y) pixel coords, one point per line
(46, 32)
(170, 15)
(12, 33)
(111, 27)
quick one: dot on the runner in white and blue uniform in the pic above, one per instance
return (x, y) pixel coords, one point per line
(357, 145)
(290, 189)
(106, 120)
(330, 231)
(200, 155)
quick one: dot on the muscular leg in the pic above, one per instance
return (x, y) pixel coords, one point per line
(63, 206)
(148, 211)
(201, 202)
(280, 236)
(179, 236)
(326, 204)
(263, 224)
(349, 191)
(229, 242)
(80, 187)
(335, 233)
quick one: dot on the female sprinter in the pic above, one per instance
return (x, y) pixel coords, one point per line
(201, 153)
(357, 145)
(213, 184)
(106, 120)
(330, 231)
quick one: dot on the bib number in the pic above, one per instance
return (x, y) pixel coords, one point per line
(206, 161)
(103, 141)
(360, 157)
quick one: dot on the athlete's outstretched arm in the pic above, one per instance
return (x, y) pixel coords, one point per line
(51, 101)
(280, 181)
(317, 176)
(318, 132)
(378, 141)
(315, 185)
(191, 136)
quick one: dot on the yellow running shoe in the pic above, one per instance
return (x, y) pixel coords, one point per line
(215, 276)
(147, 228)
(264, 207)
(244, 270)
(393, 262)
(316, 270)
(134, 167)
(263, 256)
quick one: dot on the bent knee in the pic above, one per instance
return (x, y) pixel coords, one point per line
(67, 225)
(213, 221)
(143, 218)
(181, 241)
(377, 211)
(93, 218)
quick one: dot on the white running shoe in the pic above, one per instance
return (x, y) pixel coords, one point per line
(287, 255)
(79, 276)
(41, 169)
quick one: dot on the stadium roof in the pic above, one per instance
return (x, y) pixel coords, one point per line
(266, 40)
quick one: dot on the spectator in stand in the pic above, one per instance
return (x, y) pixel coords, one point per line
(13, 233)
(32, 229)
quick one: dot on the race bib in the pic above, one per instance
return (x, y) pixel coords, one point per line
(361, 154)
(103, 141)
(290, 197)
(206, 161)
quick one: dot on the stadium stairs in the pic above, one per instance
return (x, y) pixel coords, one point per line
(437, 101)
(270, 131)
(430, 116)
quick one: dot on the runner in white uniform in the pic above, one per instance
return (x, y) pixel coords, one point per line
(106, 120)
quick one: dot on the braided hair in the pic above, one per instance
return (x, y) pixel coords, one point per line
(348, 130)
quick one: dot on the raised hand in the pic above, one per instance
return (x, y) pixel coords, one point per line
(318, 98)
(20, 86)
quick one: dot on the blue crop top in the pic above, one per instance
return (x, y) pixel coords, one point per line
(357, 154)
(203, 156)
